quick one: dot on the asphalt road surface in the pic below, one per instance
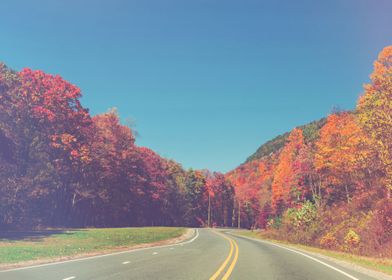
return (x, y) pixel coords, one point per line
(209, 254)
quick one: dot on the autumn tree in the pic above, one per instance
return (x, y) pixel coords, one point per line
(252, 182)
(56, 130)
(285, 179)
(342, 155)
(220, 199)
(12, 184)
(173, 200)
(375, 111)
(309, 181)
(197, 205)
(104, 189)
(43, 125)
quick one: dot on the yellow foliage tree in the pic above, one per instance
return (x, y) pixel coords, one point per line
(375, 111)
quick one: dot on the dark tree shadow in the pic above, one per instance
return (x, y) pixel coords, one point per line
(34, 235)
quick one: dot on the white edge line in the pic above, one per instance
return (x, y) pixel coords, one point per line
(69, 278)
(105, 255)
(300, 253)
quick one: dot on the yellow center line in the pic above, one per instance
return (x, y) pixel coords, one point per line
(222, 267)
(231, 267)
(233, 245)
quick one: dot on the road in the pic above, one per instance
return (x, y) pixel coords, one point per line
(210, 255)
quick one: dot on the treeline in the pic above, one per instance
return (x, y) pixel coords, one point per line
(61, 167)
(329, 185)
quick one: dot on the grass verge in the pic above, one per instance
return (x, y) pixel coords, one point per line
(16, 247)
(378, 264)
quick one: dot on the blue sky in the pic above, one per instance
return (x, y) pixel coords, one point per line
(204, 82)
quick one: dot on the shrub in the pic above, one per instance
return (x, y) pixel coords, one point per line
(352, 238)
(378, 232)
(329, 241)
(303, 216)
(274, 223)
(301, 224)
(351, 241)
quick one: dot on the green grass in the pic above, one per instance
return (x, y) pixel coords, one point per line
(379, 264)
(43, 245)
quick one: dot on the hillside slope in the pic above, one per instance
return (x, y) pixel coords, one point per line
(327, 183)
(310, 132)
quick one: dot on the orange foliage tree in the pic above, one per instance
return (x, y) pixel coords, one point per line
(285, 178)
(342, 154)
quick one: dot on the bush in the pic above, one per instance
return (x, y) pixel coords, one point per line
(303, 216)
(329, 241)
(378, 232)
(351, 241)
(274, 223)
(301, 224)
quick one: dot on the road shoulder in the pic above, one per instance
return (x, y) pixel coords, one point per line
(349, 265)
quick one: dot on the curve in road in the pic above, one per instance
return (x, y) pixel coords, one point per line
(210, 254)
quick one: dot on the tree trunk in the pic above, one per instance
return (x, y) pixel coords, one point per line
(239, 214)
(209, 211)
(347, 194)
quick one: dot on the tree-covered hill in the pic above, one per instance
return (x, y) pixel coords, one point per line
(309, 130)
(327, 183)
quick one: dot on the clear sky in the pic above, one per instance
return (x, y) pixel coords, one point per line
(205, 82)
